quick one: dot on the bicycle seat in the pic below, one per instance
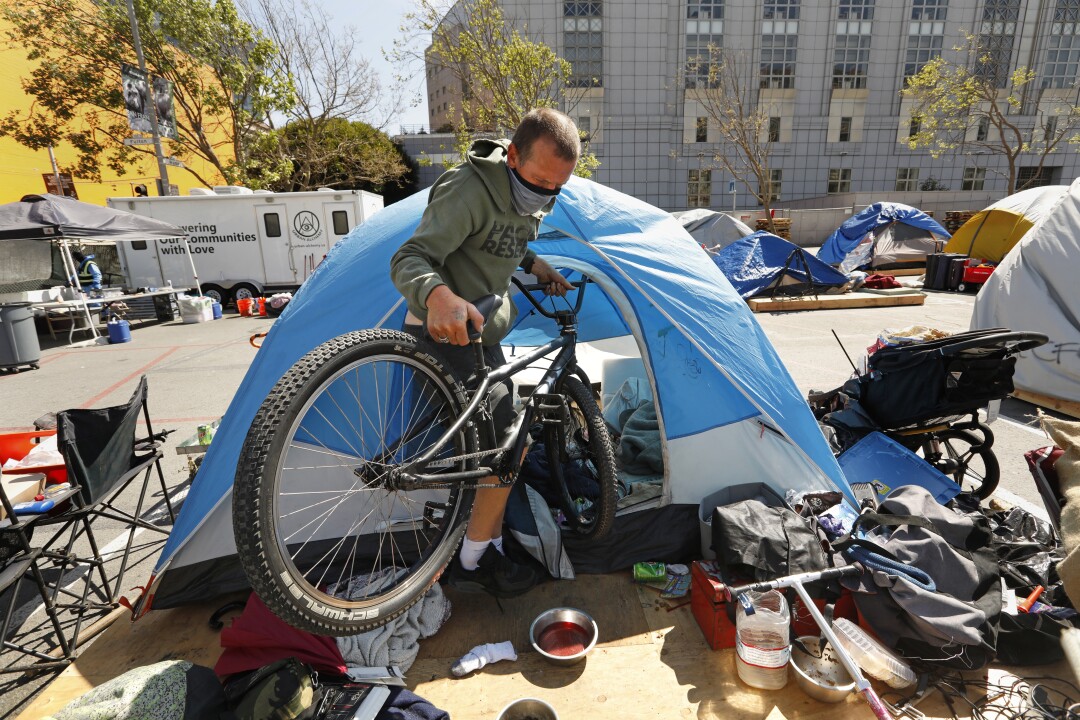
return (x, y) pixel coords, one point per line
(487, 305)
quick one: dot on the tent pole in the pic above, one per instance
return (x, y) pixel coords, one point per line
(69, 265)
(194, 272)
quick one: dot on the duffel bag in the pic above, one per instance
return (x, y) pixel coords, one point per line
(931, 587)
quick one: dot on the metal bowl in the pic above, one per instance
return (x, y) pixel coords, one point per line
(528, 709)
(822, 678)
(587, 633)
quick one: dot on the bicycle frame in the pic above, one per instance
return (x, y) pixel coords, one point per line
(414, 475)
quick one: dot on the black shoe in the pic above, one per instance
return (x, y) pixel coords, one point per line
(495, 574)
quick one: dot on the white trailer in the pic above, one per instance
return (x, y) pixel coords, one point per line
(243, 243)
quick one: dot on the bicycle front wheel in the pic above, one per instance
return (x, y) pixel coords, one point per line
(328, 540)
(579, 450)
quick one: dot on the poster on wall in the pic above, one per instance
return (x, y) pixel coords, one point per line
(137, 99)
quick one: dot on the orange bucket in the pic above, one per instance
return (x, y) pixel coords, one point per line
(243, 306)
(262, 307)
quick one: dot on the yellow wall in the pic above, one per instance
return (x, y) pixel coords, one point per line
(21, 168)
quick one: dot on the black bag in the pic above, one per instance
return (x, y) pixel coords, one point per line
(761, 541)
(931, 587)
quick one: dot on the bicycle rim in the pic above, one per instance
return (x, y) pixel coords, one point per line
(337, 548)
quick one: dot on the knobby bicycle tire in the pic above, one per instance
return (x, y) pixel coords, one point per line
(311, 502)
(586, 439)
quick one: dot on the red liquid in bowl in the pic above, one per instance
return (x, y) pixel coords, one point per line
(563, 639)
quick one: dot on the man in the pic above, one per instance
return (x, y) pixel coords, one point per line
(473, 236)
(87, 270)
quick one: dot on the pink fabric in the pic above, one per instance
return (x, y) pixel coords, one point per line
(258, 637)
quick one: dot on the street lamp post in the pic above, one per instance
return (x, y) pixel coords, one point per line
(163, 170)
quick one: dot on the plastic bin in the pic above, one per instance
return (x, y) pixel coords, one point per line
(16, 445)
(874, 658)
(18, 337)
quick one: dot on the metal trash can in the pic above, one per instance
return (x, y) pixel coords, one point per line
(18, 337)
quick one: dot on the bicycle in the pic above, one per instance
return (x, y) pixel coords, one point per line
(357, 477)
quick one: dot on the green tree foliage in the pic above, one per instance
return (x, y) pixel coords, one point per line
(216, 61)
(331, 152)
(502, 71)
(957, 106)
(722, 82)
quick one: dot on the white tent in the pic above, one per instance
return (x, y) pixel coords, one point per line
(1037, 287)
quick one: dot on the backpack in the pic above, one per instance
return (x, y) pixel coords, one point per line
(282, 690)
(931, 586)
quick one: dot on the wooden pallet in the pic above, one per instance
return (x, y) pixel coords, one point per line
(856, 299)
(900, 272)
(651, 662)
(1065, 407)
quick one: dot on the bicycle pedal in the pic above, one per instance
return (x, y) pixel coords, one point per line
(551, 408)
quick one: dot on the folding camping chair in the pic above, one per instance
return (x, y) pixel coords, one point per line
(19, 560)
(104, 457)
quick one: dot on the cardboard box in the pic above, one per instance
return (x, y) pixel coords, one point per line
(21, 488)
(708, 601)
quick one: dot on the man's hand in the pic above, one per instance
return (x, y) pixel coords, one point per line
(556, 283)
(447, 314)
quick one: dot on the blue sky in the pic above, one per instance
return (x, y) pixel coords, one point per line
(376, 24)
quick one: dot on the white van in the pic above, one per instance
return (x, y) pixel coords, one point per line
(244, 244)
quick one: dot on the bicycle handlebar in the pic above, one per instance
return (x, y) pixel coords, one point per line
(528, 291)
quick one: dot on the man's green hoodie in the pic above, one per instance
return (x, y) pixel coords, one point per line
(470, 238)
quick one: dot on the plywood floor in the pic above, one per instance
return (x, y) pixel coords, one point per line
(651, 661)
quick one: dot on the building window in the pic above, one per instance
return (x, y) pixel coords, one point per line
(982, 129)
(996, 35)
(583, 40)
(774, 129)
(973, 178)
(929, 9)
(907, 179)
(839, 180)
(779, 43)
(699, 188)
(584, 124)
(776, 179)
(914, 127)
(1062, 61)
(701, 130)
(845, 129)
(851, 58)
(1049, 129)
(1034, 176)
(923, 46)
(704, 37)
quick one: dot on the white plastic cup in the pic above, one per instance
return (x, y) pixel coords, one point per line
(763, 642)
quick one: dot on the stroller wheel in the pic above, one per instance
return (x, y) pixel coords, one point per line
(964, 457)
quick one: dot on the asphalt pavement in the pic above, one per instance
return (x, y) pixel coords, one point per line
(194, 370)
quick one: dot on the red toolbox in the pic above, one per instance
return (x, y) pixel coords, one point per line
(708, 601)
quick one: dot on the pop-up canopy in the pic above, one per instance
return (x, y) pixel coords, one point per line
(55, 217)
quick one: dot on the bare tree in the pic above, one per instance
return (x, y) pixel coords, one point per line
(325, 136)
(503, 72)
(722, 81)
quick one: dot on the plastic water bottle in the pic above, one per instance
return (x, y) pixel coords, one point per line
(762, 641)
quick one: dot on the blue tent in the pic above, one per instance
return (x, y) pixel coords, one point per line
(729, 412)
(763, 261)
(873, 219)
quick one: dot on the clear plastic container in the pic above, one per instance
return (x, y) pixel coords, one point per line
(763, 642)
(874, 658)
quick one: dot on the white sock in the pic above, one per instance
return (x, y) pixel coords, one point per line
(497, 542)
(481, 655)
(471, 552)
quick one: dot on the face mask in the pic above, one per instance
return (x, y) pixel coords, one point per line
(526, 197)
